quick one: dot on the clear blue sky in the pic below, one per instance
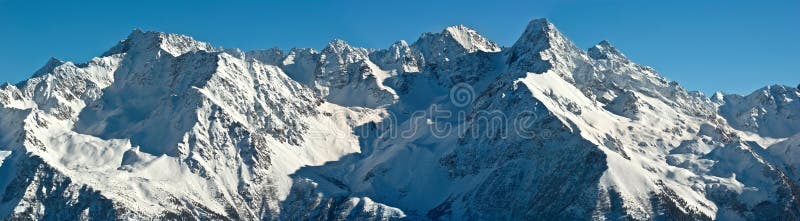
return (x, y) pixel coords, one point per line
(733, 46)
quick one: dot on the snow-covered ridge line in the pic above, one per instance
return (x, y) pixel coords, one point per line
(163, 126)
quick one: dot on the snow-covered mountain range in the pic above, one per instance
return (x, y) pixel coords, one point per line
(449, 127)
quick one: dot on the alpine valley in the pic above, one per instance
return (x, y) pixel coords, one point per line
(162, 126)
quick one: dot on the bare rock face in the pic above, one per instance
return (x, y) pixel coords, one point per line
(449, 127)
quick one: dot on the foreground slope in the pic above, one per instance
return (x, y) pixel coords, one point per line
(449, 127)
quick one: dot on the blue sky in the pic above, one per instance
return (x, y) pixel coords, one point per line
(733, 46)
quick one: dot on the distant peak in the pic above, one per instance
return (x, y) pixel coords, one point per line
(54, 60)
(457, 29)
(48, 67)
(274, 48)
(340, 48)
(136, 31)
(540, 35)
(337, 45)
(270, 56)
(141, 35)
(337, 41)
(775, 87)
(605, 43)
(470, 39)
(453, 41)
(718, 97)
(604, 50)
(303, 51)
(400, 44)
(174, 44)
(540, 25)
(775, 90)
(780, 89)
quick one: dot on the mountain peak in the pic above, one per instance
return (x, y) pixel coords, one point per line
(464, 37)
(342, 48)
(470, 39)
(399, 44)
(541, 28)
(399, 47)
(339, 53)
(769, 111)
(336, 42)
(452, 42)
(271, 56)
(48, 67)
(540, 32)
(605, 43)
(540, 35)
(458, 30)
(303, 51)
(337, 46)
(540, 25)
(604, 50)
(777, 89)
(174, 44)
(718, 97)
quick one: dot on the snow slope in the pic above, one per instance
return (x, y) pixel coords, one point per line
(770, 111)
(449, 127)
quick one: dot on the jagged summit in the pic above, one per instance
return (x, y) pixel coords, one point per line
(338, 53)
(779, 88)
(452, 42)
(540, 25)
(777, 92)
(768, 92)
(604, 50)
(337, 43)
(271, 56)
(399, 56)
(541, 34)
(149, 41)
(769, 111)
(718, 97)
(48, 67)
(541, 46)
(470, 39)
(399, 44)
(341, 47)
